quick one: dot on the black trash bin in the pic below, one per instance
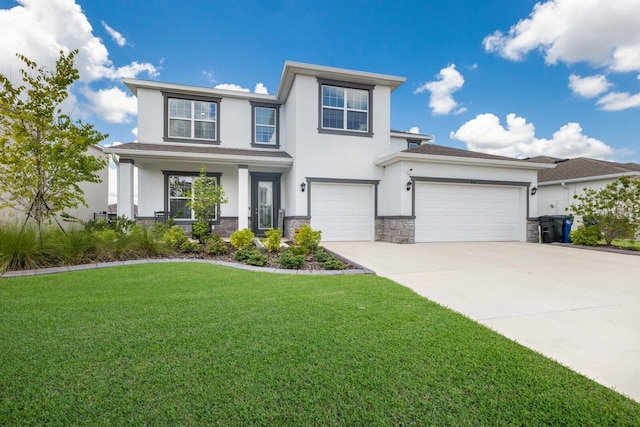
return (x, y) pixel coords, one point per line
(551, 228)
(567, 222)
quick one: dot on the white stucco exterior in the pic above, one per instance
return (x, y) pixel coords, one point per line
(369, 163)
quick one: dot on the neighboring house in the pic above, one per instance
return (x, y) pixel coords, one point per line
(320, 149)
(558, 186)
(95, 195)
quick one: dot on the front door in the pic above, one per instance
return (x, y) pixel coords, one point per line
(265, 202)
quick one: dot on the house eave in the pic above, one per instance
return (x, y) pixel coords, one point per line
(430, 158)
(291, 69)
(587, 178)
(278, 162)
(409, 135)
(135, 84)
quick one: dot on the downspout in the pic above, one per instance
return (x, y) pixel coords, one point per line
(566, 191)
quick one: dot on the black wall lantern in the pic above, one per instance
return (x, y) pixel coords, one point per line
(409, 184)
(534, 190)
(303, 186)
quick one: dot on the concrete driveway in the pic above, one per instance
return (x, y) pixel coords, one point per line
(579, 307)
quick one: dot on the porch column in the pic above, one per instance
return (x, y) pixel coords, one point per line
(125, 188)
(243, 196)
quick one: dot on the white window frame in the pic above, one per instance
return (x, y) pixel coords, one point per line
(192, 176)
(275, 143)
(346, 88)
(212, 102)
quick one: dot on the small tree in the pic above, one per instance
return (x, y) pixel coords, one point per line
(615, 208)
(206, 195)
(43, 151)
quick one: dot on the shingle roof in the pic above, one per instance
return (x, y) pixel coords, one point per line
(205, 149)
(439, 150)
(581, 167)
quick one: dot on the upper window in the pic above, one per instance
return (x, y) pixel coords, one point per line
(192, 119)
(413, 143)
(345, 108)
(265, 124)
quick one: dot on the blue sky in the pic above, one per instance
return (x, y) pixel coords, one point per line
(519, 78)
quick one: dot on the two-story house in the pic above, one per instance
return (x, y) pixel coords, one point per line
(322, 150)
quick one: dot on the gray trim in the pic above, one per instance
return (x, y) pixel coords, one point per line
(167, 173)
(276, 107)
(374, 182)
(174, 95)
(129, 161)
(297, 217)
(254, 177)
(346, 85)
(415, 179)
(396, 217)
(243, 166)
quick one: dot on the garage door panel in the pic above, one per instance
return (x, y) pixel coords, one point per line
(467, 212)
(342, 211)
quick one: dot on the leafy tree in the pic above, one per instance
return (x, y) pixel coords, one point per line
(43, 151)
(205, 198)
(615, 208)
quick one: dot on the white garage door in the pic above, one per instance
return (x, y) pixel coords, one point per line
(468, 212)
(343, 212)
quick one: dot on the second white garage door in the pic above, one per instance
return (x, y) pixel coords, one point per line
(343, 212)
(468, 212)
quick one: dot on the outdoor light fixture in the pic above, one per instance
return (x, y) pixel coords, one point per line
(409, 184)
(534, 190)
(303, 186)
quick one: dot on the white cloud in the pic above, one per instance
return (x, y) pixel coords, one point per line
(486, 134)
(589, 87)
(40, 29)
(231, 86)
(116, 36)
(603, 33)
(260, 88)
(111, 144)
(441, 101)
(135, 131)
(113, 105)
(209, 76)
(616, 101)
(414, 129)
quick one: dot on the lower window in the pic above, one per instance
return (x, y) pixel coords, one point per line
(180, 194)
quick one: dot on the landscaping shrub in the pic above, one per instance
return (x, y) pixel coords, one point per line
(291, 260)
(328, 261)
(586, 236)
(147, 243)
(334, 263)
(251, 256)
(272, 240)
(200, 231)
(307, 238)
(214, 245)
(175, 236)
(68, 248)
(111, 246)
(19, 250)
(241, 239)
(190, 247)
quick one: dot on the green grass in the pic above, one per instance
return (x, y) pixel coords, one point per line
(627, 244)
(197, 344)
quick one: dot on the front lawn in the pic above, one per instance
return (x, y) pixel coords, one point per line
(198, 344)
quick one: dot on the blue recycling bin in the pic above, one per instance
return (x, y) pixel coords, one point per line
(566, 229)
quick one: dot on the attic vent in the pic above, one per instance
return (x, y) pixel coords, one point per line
(561, 160)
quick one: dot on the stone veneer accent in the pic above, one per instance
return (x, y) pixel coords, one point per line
(293, 222)
(533, 232)
(395, 230)
(226, 226)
